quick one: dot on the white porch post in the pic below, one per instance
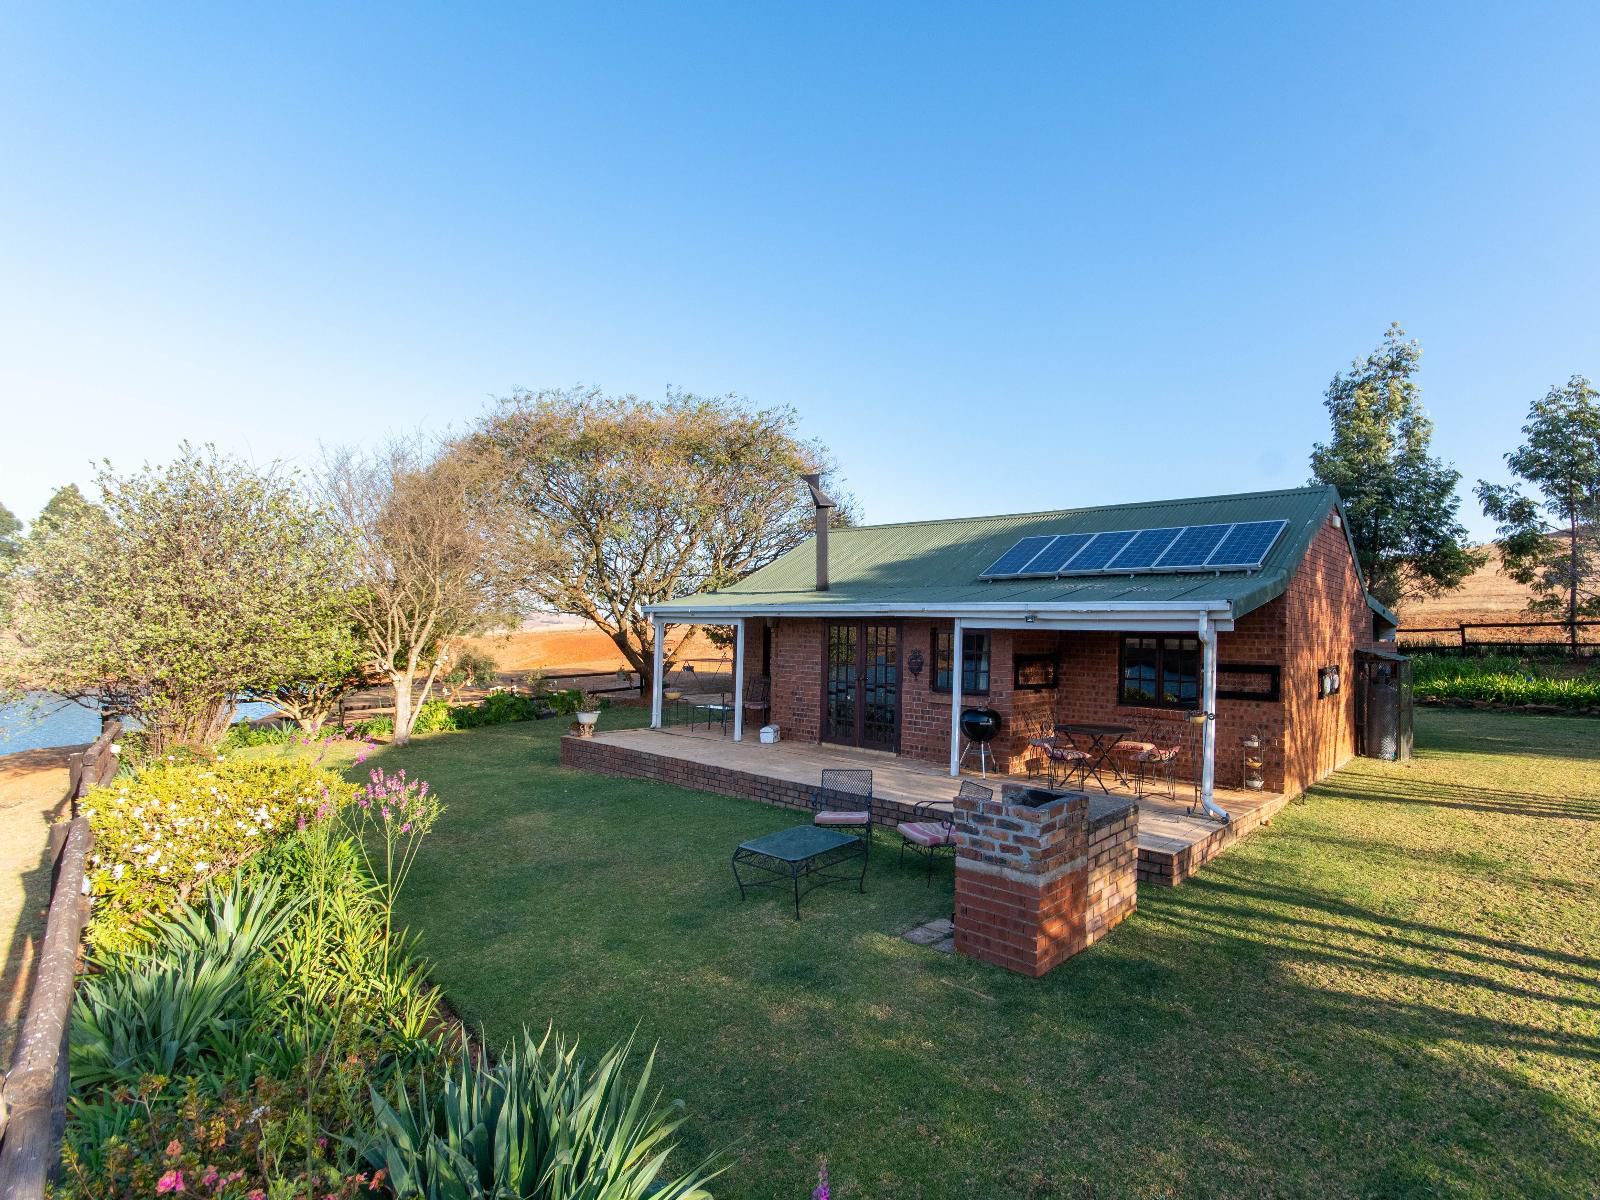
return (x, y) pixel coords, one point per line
(658, 628)
(955, 699)
(738, 680)
(1208, 701)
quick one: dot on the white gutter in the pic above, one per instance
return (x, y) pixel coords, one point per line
(1108, 614)
(895, 609)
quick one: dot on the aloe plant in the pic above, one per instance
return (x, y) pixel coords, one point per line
(181, 992)
(538, 1124)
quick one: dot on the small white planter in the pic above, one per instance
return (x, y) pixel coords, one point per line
(588, 718)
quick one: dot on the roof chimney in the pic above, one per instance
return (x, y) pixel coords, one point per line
(820, 499)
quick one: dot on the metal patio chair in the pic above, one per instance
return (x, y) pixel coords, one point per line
(844, 801)
(1126, 757)
(1061, 762)
(931, 831)
(758, 700)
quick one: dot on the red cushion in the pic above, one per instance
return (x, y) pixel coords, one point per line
(927, 833)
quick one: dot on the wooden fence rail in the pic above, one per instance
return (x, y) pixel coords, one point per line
(1458, 638)
(33, 1093)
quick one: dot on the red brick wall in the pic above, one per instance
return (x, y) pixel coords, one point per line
(1321, 620)
(1327, 621)
(797, 679)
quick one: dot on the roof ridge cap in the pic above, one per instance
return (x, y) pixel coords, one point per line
(1057, 512)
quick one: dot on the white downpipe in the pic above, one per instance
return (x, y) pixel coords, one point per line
(738, 680)
(658, 628)
(955, 699)
(1208, 701)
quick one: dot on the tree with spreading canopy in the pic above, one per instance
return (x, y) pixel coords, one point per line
(435, 560)
(626, 502)
(186, 587)
(10, 541)
(1550, 540)
(1401, 501)
(66, 504)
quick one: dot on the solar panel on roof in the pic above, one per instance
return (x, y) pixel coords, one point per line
(1015, 558)
(1246, 545)
(1222, 547)
(1057, 554)
(1192, 547)
(1102, 550)
(1144, 549)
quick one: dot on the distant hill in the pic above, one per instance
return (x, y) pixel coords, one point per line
(1488, 594)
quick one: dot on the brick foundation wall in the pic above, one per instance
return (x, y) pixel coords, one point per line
(629, 762)
(1035, 886)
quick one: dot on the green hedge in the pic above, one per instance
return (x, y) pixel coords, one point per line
(1503, 680)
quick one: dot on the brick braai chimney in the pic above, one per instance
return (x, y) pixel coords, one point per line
(824, 511)
(1041, 875)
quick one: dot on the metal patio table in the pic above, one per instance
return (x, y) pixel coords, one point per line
(804, 852)
(1097, 747)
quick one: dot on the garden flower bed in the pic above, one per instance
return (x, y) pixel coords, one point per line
(254, 1025)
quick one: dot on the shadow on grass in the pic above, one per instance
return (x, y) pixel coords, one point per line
(1237, 1036)
(1469, 797)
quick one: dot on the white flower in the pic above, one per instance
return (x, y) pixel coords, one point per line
(116, 747)
(116, 872)
(200, 868)
(154, 858)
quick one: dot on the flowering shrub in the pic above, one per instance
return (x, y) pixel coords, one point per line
(163, 832)
(176, 1138)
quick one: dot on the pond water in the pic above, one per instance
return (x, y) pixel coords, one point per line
(43, 720)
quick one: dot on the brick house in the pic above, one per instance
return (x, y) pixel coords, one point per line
(1250, 607)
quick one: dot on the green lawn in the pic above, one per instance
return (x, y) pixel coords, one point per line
(1393, 991)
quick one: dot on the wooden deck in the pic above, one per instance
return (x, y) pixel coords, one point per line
(1172, 844)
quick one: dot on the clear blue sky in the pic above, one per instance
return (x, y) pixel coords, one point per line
(1000, 258)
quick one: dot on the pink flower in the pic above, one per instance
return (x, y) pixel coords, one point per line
(209, 1179)
(172, 1181)
(174, 1148)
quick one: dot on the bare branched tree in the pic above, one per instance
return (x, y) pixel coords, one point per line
(434, 560)
(626, 503)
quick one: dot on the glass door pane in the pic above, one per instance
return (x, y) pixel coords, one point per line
(880, 700)
(839, 684)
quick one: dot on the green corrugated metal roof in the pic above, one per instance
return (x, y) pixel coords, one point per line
(938, 562)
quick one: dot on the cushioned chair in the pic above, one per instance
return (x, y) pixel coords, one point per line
(758, 700)
(844, 801)
(931, 832)
(1127, 756)
(1158, 762)
(1061, 762)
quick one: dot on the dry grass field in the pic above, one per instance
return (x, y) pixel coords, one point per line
(564, 651)
(1487, 595)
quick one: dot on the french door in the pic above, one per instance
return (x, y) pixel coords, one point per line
(861, 684)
